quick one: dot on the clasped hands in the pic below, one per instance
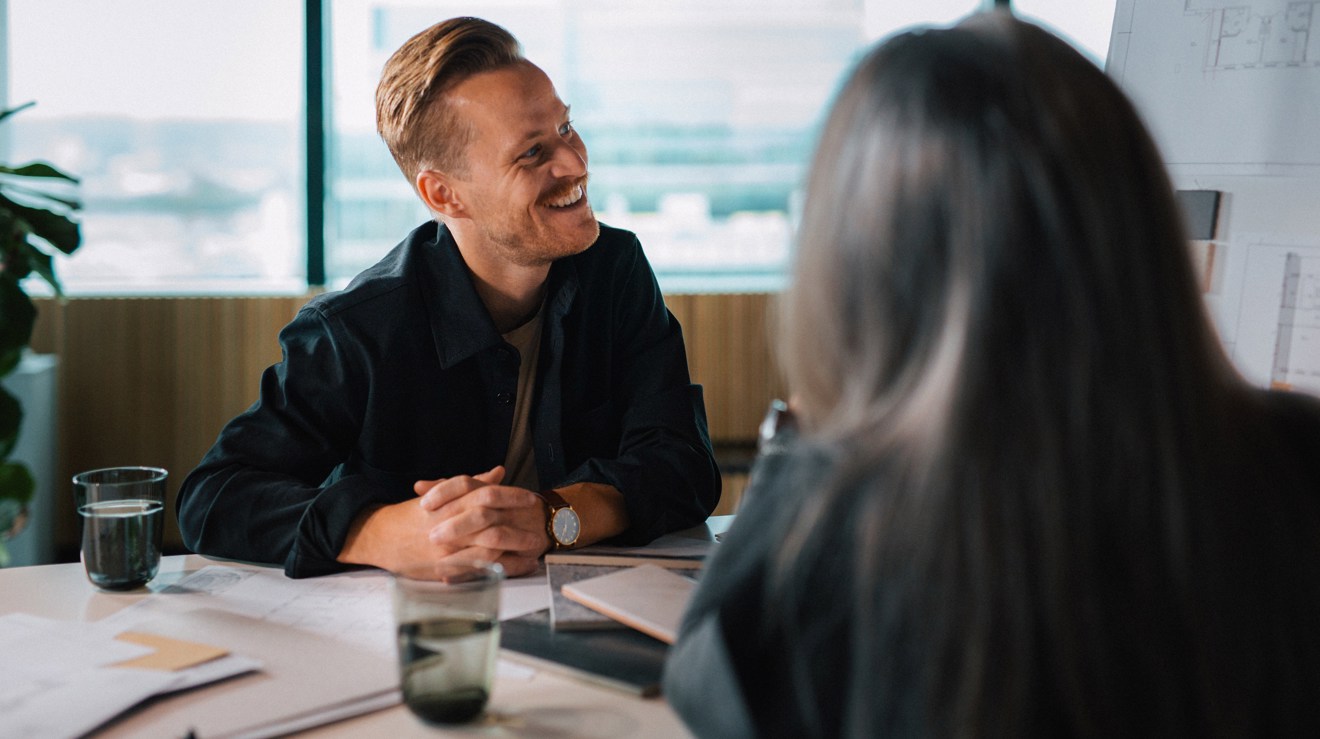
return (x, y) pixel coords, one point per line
(463, 517)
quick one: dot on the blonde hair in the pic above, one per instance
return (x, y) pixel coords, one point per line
(412, 116)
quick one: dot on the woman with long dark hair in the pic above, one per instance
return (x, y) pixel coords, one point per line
(1031, 496)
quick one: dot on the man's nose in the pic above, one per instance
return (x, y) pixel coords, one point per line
(569, 161)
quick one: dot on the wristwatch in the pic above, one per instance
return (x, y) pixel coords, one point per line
(562, 522)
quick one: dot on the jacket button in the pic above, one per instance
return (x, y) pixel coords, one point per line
(504, 398)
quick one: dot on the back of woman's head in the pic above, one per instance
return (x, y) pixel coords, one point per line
(994, 317)
(987, 223)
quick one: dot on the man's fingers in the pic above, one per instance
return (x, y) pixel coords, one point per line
(421, 486)
(492, 476)
(452, 488)
(488, 508)
(516, 565)
(491, 496)
(511, 539)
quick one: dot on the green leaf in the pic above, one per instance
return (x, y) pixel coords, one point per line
(17, 315)
(17, 263)
(61, 232)
(9, 360)
(11, 417)
(16, 482)
(37, 169)
(69, 203)
(12, 111)
(42, 264)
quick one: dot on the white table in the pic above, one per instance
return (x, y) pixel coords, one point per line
(542, 705)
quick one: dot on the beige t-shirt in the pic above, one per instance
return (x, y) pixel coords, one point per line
(520, 462)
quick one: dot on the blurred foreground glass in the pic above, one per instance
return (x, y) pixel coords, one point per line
(448, 635)
(123, 517)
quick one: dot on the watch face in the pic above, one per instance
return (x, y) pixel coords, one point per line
(566, 526)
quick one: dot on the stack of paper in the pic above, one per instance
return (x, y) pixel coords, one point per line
(64, 678)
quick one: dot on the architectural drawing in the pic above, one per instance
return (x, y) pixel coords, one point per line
(1260, 34)
(1278, 318)
(1231, 87)
(1297, 343)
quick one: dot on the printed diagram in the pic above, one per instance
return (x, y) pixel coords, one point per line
(1260, 34)
(1297, 344)
(1228, 87)
(1278, 336)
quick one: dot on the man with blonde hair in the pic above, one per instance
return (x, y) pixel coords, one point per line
(506, 381)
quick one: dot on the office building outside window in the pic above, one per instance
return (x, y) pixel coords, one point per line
(186, 119)
(183, 121)
(699, 118)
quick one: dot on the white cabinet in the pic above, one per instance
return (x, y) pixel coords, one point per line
(34, 384)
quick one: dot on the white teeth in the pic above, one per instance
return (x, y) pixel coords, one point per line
(569, 199)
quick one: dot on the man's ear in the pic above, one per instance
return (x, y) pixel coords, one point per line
(437, 191)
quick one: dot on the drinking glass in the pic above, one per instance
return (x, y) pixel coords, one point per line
(448, 636)
(123, 517)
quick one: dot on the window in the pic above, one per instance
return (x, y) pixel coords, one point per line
(183, 120)
(699, 119)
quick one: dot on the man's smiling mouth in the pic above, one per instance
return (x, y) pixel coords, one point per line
(567, 199)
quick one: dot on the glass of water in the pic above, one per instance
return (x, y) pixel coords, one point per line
(449, 636)
(123, 517)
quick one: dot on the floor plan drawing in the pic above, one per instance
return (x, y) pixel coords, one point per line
(1230, 86)
(1258, 35)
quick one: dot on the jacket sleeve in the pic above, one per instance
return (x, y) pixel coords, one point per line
(665, 466)
(267, 490)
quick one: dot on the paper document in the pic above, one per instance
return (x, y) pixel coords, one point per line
(50, 666)
(306, 680)
(353, 607)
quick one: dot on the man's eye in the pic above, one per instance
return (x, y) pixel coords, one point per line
(531, 153)
(566, 129)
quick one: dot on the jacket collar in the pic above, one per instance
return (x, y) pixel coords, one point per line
(460, 324)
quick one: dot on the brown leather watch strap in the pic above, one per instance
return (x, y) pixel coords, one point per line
(553, 499)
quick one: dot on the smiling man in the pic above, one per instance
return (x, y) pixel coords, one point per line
(506, 381)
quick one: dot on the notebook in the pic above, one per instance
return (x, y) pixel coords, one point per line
(648, 598)
(622, 659)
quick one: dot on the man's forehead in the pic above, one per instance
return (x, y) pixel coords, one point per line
(520, 93)
(508, 107)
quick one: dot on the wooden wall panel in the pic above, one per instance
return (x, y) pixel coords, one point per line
(729, 354)
(151, 381)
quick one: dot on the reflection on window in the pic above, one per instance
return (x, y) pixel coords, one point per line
(183, 122)
(699, 117)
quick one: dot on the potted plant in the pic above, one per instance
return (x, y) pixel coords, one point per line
(33, 221)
